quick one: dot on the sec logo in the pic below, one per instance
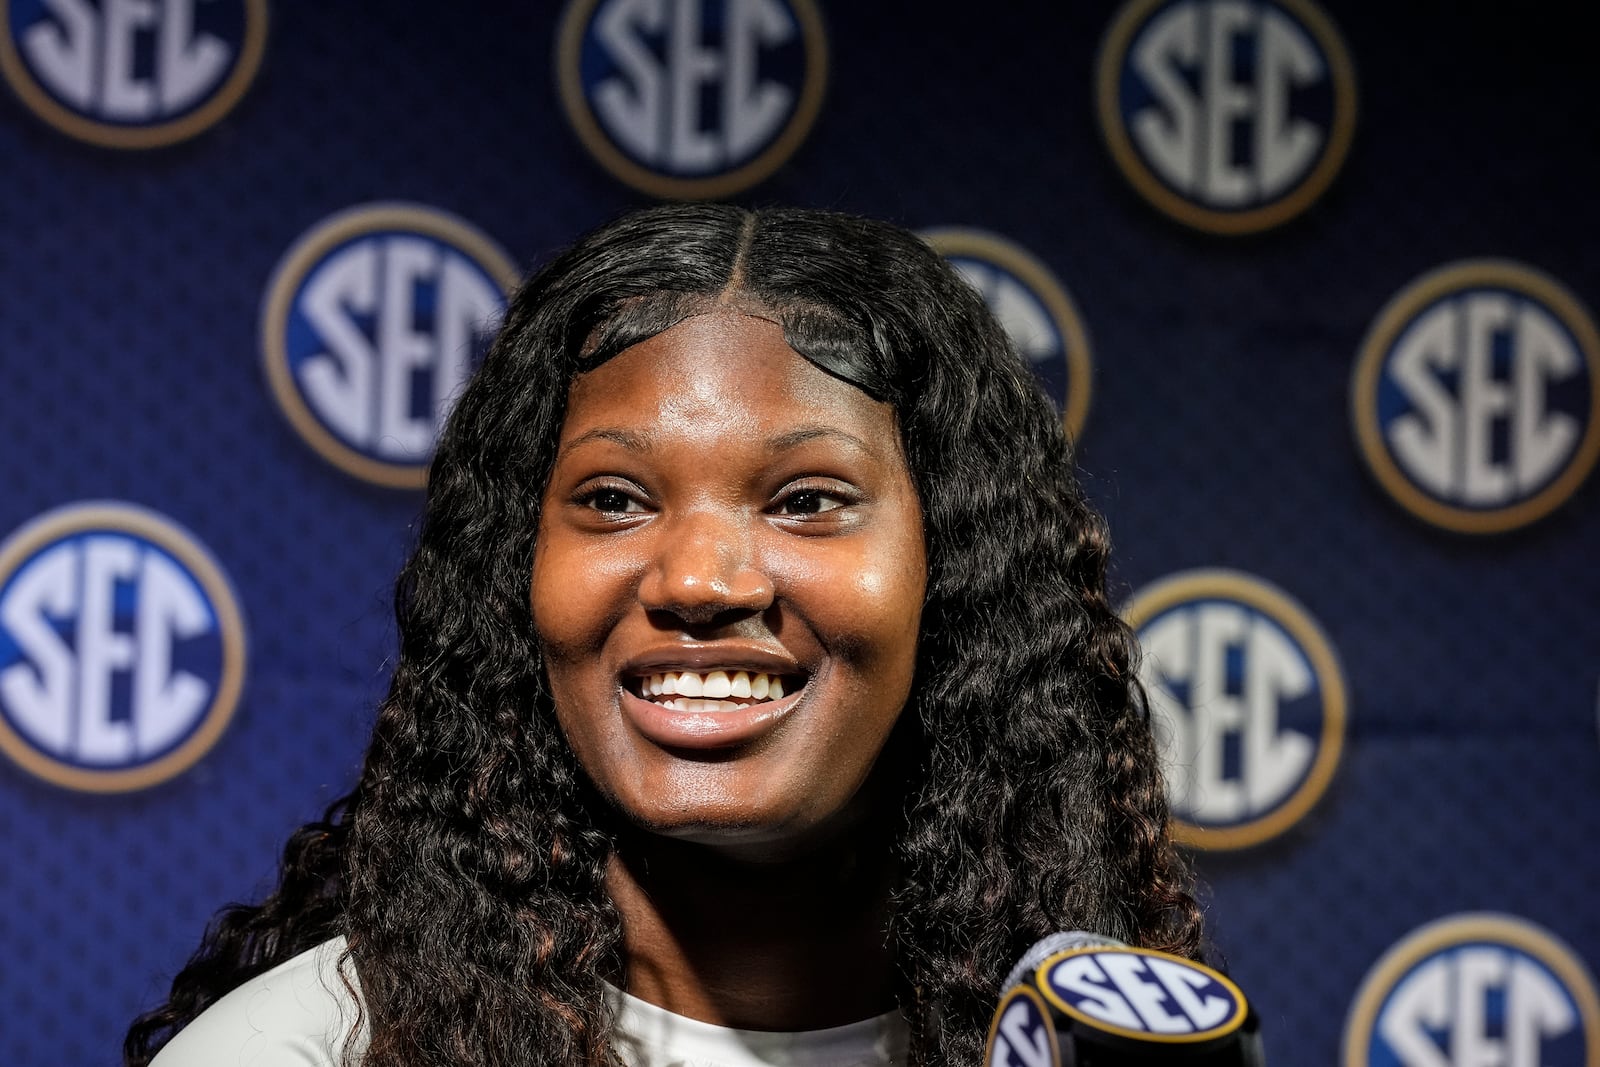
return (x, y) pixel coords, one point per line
(121, 648)
(1035, 310)
(1475, 989)
(1141, 993)
(1248, 703)
(1232, 116)
(691, 99)
(1022, 1034)
(132, 73)
(371, 324)
(1476, 396)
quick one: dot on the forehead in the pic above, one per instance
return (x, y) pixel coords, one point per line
(719, 372)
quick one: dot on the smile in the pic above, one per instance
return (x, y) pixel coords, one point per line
(715, 690)
(715, 708)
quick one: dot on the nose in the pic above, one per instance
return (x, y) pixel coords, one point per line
(705, 568)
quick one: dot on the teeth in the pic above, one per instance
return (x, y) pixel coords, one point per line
(692, 691)
(700, 704)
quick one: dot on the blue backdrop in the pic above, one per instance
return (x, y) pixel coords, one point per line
(1311, 284)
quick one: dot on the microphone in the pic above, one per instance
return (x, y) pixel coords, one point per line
(1077, 999)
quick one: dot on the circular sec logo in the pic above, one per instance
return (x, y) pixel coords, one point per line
(1143, 994)
(1475, 989)
(371, 324)
(1248, 703)
(1230, 117)
(691, 99)
(121, 648)
(132, 75)
(1476, 396)
(1035, 310)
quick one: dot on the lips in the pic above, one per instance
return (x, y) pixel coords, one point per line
(715, 700)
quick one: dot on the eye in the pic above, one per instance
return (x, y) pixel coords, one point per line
(611, 500)
(809, 501)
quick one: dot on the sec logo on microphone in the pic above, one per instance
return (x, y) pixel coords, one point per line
(1475, 989)
(121, 648)
(1476, 396)
(132, 75)
(1230, 117)
(370, 327)
(1248, 703)
(1143, 994)
(691, 99)
(1034, 308)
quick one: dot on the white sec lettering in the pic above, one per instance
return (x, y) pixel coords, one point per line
(1192, 646)
(189, 65)
(86, 56)
(689, 147)
(390, 394)
(653, 107)
(1542, 440)
(65, 53)
(166, 702)
(1424, 439)
(1085, 984)
(407, 262)
(1419, 1004)
(1484, 398)
(123, 95)
(752, 110)
(1537, 1008)
(1284, 147)
(1226, 100)
(1148, 996)
(1450, 993)
(38, 692)
(338, 382)
(631, 105)
(103, 650)
(1446, 443)
(1192, 139)
(1169, 136)
(1183, 985)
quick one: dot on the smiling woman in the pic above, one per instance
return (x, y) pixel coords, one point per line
(758, 698)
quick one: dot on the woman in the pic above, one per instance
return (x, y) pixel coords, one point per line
(755, 665)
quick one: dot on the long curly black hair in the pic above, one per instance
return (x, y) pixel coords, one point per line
(466, 868)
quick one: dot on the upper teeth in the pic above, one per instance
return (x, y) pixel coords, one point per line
(714, 684)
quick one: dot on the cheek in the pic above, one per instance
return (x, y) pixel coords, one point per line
(576, 595)
(864, 601)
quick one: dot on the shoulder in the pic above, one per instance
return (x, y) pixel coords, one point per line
(299, 1014)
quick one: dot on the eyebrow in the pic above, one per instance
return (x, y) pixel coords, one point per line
(638, 442)
(633, 442)
(802, 434)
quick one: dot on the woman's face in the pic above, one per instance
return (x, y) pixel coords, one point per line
(725, 519)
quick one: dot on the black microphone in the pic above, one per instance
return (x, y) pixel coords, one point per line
(1083, 1000)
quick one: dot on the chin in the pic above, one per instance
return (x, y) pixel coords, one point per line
(732, 825)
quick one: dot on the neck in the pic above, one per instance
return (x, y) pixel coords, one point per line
(796, 943)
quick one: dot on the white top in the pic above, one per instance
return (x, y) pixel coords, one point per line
(300, 1013)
